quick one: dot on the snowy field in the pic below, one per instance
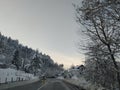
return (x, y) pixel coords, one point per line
(11, 75)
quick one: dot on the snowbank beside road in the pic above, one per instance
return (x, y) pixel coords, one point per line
(14, 78)
(12, 75)
(83, 83)
(15, 84)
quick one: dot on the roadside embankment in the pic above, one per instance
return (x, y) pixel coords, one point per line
(15, 84)
(81, 82)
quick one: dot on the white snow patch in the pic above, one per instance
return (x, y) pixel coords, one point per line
(75, 77)
(60, 77)
(83, 83)
(12, 75)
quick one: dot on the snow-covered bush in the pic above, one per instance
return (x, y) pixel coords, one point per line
(74, 71)
(81, 82)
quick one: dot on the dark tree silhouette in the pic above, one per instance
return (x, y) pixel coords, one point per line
(16, 60)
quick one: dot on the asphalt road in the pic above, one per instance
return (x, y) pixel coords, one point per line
(59, 85)
(51, 84)
(32, 86)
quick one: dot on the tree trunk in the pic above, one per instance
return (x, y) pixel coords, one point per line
(115, 65)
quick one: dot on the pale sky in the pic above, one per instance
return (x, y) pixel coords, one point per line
(47, 25)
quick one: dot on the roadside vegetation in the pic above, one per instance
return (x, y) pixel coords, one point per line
(101, 21)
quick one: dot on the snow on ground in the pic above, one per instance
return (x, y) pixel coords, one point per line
(60, 77)
(12, 75)
(83, 83)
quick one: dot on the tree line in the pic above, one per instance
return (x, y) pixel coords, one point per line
(15, 55)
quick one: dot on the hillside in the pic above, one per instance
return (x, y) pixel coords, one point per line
(15, 55)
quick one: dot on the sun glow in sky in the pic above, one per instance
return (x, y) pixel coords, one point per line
(48, 25)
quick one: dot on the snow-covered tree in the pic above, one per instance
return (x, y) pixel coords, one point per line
(101, 19)
(99, 67)
(24, 58)
(35, 64)
(17, 60)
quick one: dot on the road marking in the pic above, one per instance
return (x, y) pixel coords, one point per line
(42, 85)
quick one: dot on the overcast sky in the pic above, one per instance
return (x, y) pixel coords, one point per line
(47, 25)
